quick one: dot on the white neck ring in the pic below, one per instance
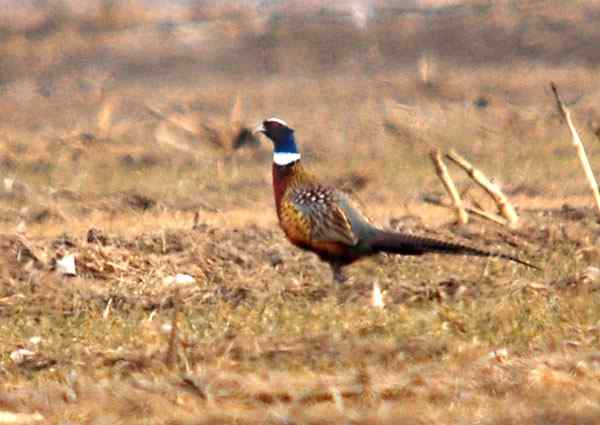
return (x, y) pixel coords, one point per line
(285, 158)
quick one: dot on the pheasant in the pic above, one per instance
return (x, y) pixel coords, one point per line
(326, 221)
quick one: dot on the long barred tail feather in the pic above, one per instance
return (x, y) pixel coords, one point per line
(403, 244)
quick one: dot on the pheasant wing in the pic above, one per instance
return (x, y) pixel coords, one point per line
(327, 213)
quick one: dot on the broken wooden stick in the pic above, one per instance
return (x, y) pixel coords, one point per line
(442, 172)
(578, 144)
(504, 206)
(470, 210)
(488, 216)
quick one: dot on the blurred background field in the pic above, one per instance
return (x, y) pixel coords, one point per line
(149, 96)
(125, 141)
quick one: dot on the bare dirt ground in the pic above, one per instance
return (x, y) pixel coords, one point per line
(125, 144)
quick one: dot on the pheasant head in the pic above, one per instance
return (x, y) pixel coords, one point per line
(281, 134)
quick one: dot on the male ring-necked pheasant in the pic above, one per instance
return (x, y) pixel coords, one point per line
(324, 220)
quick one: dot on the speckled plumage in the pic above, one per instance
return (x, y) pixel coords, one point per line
(326, 221)
(312, 215)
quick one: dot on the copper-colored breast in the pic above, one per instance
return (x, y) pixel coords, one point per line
(294, 224)
(281, 178)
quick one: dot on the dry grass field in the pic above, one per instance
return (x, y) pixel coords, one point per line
(124, 143)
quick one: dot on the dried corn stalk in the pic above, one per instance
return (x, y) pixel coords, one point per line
(578, 144)
(442, 172)
(504, 206)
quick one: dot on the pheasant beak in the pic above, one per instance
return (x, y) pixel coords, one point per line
(259, 129)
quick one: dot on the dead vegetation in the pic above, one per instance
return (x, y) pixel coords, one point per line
(260, 337)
